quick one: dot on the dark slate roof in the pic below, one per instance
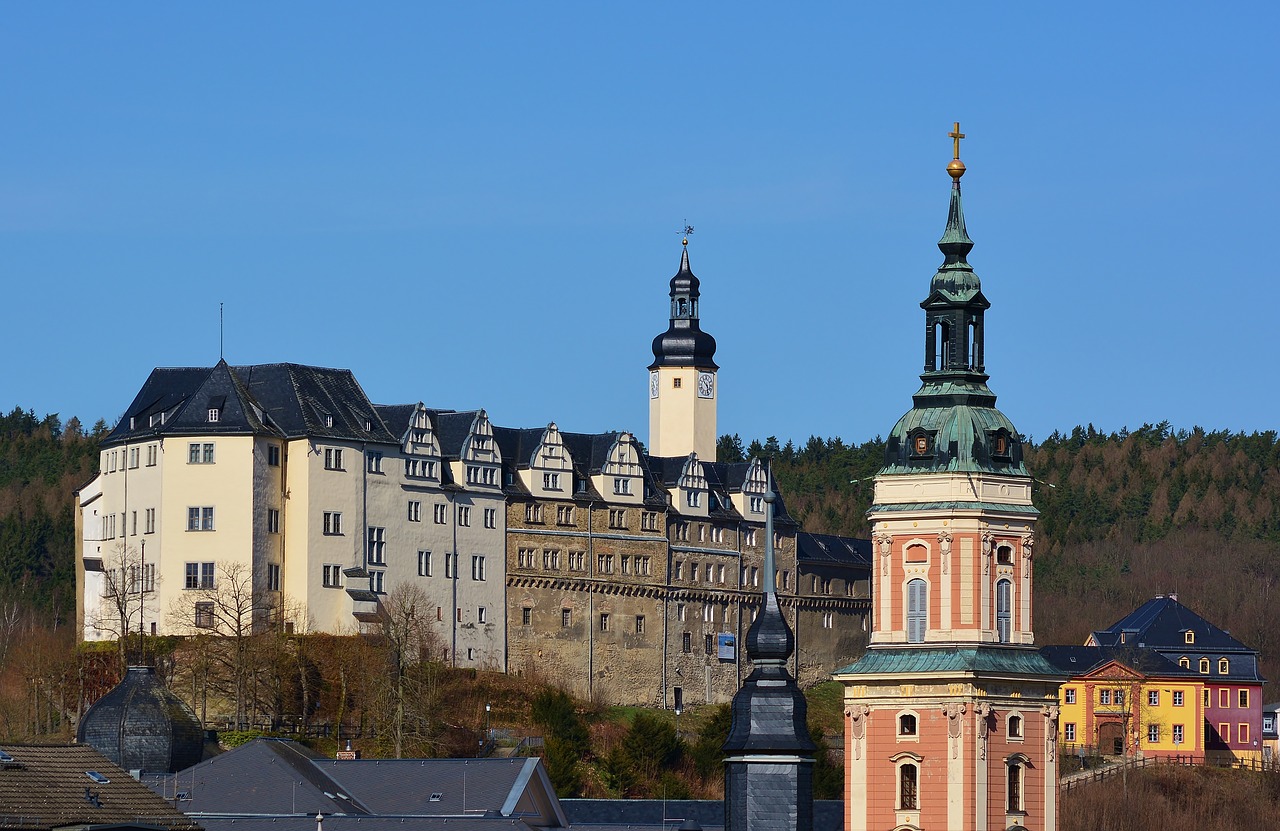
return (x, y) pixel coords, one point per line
(1161, 622)
(47, 786)
(141, 725)
(278, 399)
(276, 777)
(1081, 660)
(299, 398)
(829, 548)
(651, 814)
(338, 822)
(452, 430)
(981, 660)
(396, 417)
(684, 343)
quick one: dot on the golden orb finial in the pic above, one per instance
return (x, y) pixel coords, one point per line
(956, 169)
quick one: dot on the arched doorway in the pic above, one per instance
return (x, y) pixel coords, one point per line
(1111, 738)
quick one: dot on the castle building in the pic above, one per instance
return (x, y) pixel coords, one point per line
(951, 715)
(279, 494)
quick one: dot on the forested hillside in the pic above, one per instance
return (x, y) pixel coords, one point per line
(1124, 516)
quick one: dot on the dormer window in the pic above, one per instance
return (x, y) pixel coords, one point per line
(1188, 636)
(694, 498)
(328, 421)
(921, 444)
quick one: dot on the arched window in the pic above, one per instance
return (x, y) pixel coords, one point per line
(1004, 555)
(908, 787)
(906, 725)
(1015, 727)
(1004, 611)
(944, 345)
(1014, 791)
(917, 610)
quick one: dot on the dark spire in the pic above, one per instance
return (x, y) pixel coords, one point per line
(769, 755)
(684, 343)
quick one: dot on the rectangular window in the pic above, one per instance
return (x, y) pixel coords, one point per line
(1177, 698)
(215, 414)
(720, 573)
(376, 581)
(1177, 734)
(273, 577)
(332, 576)
(415, 511)
(566, 617)
(617, 519)
(151, 455)
(680, 612)
(441, 513)
(450, 564)
(464, 516)
(604, 621)
(1153, 698)
(708, 644)
(273, 455)
(1206, 698)
(424, 563)
(751, 538)
(648, 521)
(1153, 734)
(473, 474)
(332, 523)
(682, 532)
(526, 616)
(626, 564)
(1118, 698)
(1242, 733)
(756, 505)
(551, 481)
(1244, 699)
(717, 534)
(1069, 695)
(1104, 696)
(482, 615)
(679, 572)
(477, 567)
(621, 486)
(273, 521)
(693, 498)
(1224, 699)
(786, 580)
(828, 620)
(133, 523)
(564, 515)
(377, 545)
(533, 513)
(1224, 732)
(1069, 732)
(199, 576)
(686, 642)
(333, 458)
(639, 624)
(198, 519)
(133, 457)
(204, 615)
(373, 462)
(490, 517)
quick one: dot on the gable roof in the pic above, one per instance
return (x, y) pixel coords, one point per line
(278, 777)
(48, 786)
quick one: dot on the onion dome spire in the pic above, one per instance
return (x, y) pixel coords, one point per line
(684, 343)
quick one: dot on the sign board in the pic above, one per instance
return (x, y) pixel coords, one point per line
(726, 646)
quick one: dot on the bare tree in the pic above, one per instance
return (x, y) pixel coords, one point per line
(126, 581)
(410, 687)
(236, 611)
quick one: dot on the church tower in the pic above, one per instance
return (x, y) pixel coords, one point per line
(951, 715)
(682, 377)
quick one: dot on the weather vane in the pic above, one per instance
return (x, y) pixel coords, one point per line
(688, 229)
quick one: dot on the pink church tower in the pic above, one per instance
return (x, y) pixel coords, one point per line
(951, 715)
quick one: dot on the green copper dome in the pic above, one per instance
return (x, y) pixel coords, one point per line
(954, 424)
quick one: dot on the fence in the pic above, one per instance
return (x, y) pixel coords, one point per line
(1110, 769)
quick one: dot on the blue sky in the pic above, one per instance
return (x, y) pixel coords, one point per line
(479, 204)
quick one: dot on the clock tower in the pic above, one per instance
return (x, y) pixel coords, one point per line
(682, 377)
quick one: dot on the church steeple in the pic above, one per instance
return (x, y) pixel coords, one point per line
(768, 766)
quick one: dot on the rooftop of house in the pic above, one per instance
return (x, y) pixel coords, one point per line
(55, 786)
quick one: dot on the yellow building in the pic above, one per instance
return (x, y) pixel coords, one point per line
(1123, 701)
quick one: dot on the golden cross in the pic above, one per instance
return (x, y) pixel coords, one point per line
(956, 135)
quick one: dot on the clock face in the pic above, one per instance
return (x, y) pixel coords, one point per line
(706, 385)
(653, 385)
